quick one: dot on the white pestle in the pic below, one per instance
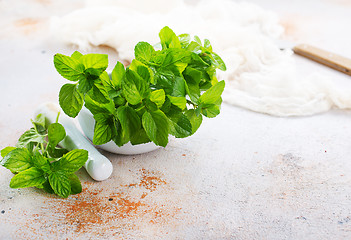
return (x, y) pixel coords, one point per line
(97, 165)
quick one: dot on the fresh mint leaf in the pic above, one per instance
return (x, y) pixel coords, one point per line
(40, 162)
(158, 97)
(176, 56)
(139, 137)
(197, 40)
(47, 188)
(60, 183)
(72, 161)
(103, 133)
(143, 52)
(180, 126)
(219, 63)
(194, 119)
(156, 127)
(17, 160)
(31, 177)
(56, 133)
(69, 67)
(30, 136)
(39, 123)
(184, 40)
(129, 120)
(210, 110)
(98, 93)
(56, 152)
(121, 137)
(6, 151)
(97, 107)
(168, 38)
(179, 89)
(71, 101)
(76, 55)
(99, 62)
(142, 70)
(134, 87)
(212, 95)
(207, 45)
(85, 85)
(76, 186)
(118, 75)
(180, 102)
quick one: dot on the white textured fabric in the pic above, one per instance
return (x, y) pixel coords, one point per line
(259, 76)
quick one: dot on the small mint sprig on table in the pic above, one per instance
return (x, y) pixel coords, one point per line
(36, 160)
(162, 92)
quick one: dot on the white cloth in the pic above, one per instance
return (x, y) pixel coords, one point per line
(259, 76)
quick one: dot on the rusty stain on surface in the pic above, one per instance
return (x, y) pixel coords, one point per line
(131, 206)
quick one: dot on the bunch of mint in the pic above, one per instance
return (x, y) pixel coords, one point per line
(162, 92)
(36, 160)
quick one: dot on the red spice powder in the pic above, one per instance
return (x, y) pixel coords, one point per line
(123, 209)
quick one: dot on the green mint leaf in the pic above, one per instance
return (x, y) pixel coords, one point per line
(179, 89)
(121, 137)
(40, 162)
(143, 52)
(47, 188)
(194, 47)
(156, 127)
(31, 177)
(60, 183)
(76, 55)
(56, 152)
(99, 94)
(180, 126)
(97, 107)
(129, 120)
(158, 97)
(6, 151)
(71, 101)
(95, 61)
(39, 123)
(164, 79)
(207, 45)
(178, 57)
(72, 161)
(56, 133)
(68, 67)
(197, 40)
(139, 137)
(17, 160)
(194, 119)
(118, 75)
(184, 40)
(142, 70)
(212, 95)
(218, 62)
(103, 132)
(85, 85)
(30, 136)
(134, 87)
(180, 102)
(210, 110)
(168, 38)
(76, 186)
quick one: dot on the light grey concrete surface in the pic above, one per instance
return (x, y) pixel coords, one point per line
(243, 175)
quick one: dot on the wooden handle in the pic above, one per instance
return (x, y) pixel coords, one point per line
(329, 59)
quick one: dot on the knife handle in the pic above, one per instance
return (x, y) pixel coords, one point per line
(329, 59)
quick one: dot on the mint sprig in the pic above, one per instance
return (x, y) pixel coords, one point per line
(37, 161)
(162, 92)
